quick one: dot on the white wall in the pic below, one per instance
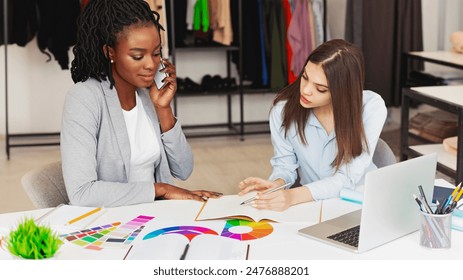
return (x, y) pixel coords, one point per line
(440, 19)
(36, 89)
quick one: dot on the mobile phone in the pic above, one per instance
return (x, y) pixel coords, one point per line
(160, 76)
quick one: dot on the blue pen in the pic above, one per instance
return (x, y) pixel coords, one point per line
(449, 199)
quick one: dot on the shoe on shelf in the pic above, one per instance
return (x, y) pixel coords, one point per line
(187, 85)
(206, 83)
(230, 83)
(217, 83)
(180, 84)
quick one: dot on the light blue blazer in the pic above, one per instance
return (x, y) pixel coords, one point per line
(95, 148)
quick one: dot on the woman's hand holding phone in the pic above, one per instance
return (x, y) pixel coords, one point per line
(159, 76)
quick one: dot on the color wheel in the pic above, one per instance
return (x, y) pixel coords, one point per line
(188, 231)
(259, 229)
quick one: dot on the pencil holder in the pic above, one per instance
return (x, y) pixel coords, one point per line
(435, 230)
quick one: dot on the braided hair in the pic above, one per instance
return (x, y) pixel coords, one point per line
(99, 24)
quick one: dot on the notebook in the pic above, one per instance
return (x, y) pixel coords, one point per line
(389, 210)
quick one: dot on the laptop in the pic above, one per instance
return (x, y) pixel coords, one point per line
(389, 210)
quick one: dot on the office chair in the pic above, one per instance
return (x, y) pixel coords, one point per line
(383, 155)
(45, 186)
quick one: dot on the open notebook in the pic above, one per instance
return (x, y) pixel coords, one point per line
(228, 207)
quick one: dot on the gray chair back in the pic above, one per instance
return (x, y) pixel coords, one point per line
(45, 186)
(383, 155)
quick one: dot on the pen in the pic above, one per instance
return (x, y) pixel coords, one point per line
(451, 200)
(419, 202)
(266, 192)
(451, 206)
(183, 256)
(83, 216)
(126, 254)
(424, 200)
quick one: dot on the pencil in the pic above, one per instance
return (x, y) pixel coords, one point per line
(266, 192)
(185, 251)
(458, 196)
(247, 252)
(83, 216)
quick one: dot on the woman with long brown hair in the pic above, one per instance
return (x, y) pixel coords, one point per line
(324, 129)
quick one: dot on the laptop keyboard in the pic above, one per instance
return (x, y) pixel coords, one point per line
(349, 236)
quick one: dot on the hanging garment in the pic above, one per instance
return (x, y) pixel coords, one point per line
(276, 32)
(263, 46)
(300, 35)
(289, 52)
(319, 28)
(22, 21)
(159, 6)
(251, 66)
(388, 28)
(220, 23)
(190, 11)
(201, 16)
(58, 28)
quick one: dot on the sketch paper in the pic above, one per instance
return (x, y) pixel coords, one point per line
(201, 247)
(58, 217)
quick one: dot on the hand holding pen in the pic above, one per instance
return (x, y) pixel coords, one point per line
(266, 192)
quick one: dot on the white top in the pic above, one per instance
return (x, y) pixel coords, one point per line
(145, 151)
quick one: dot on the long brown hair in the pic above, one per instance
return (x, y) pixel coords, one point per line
(343, 64)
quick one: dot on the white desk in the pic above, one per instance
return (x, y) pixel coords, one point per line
(447, 58)
(283, 244)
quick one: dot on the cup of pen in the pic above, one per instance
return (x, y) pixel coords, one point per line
(435, 230)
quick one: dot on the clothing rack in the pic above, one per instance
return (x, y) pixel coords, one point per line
(8, 135)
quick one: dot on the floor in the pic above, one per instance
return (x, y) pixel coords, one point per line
(220, 164)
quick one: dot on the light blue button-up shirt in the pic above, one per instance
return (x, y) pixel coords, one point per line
(313, 160)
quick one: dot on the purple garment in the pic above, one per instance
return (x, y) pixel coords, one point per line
(300, 35)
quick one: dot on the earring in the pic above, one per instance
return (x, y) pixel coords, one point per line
(112, 61)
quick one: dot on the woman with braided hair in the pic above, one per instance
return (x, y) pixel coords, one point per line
(120, 142)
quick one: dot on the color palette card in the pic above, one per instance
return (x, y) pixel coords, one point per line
(91, 238)
(246, 230)
(127, 232)
(110, 235)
